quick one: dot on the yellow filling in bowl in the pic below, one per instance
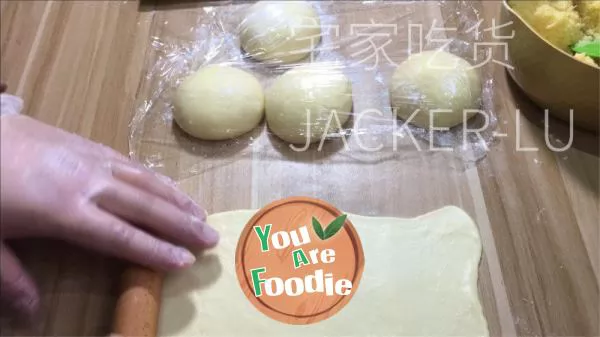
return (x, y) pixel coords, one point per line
(563, 23)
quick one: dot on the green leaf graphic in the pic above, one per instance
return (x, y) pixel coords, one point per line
(335, 226)
(318, 229)
(589, 48)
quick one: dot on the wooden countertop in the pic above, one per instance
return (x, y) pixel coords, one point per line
(78, 65)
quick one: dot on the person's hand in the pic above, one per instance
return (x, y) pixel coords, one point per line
(58, 185)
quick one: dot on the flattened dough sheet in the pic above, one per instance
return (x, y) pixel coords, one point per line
(420, 279)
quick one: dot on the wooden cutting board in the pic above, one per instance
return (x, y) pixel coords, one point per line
(81, 66)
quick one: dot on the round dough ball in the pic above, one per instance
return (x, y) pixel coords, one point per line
(218, 102)
(308, 92)
(435, 80)
(272, 31)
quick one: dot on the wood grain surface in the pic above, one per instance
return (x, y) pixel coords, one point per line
(80, 65)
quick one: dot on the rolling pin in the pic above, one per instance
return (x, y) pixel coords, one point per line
(138, 304)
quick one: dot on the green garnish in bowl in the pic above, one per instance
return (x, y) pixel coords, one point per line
(588, 47)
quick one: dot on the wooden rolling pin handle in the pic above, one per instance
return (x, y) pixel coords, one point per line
(138, 305)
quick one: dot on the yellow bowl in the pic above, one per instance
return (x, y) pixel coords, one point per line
(550, 77)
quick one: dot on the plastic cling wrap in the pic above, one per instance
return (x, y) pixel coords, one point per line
(373, 149)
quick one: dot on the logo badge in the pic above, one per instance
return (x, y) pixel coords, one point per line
(299, 260)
